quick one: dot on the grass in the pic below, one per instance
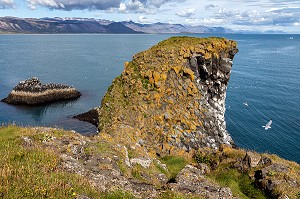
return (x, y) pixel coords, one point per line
(240, 184)
(136, 172)
(33, 172)
(199, 158)
(174, 165)
(118, 194)
(101, 147)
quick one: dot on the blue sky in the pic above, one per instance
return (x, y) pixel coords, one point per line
(254, 15)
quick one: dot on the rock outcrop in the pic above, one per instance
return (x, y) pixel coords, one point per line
(91, 116)
(191, 180)
(171, 98)
(33, 92)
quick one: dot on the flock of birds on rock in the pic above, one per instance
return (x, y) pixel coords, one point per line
(34, 85)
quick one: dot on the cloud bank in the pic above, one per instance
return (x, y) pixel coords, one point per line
(138, 6)
(186, 13)
(69, 5)
(7, 4)
(274, 17)
(143, 6)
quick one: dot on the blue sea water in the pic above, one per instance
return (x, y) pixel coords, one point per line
(265, 76)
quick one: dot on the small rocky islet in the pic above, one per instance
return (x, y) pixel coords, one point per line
(162, 134)
(33, 92)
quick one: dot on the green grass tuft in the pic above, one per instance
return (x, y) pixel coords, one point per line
(174, 165)
(240, 184)
(199, 158)
(173, 195)
(118, 194)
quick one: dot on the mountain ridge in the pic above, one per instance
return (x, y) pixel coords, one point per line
(89, 25)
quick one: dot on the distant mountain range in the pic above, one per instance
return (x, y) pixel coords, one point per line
(85, 25)
(90, 25)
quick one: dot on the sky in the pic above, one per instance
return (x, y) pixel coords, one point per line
(252, 15)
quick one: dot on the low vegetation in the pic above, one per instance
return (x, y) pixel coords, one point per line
(173, 195)
(33, 172)
(240, 184)
(29, 169)
(174, 165)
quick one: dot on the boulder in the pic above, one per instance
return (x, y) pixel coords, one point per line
(251, 160)
(190, 180)
(91, 116)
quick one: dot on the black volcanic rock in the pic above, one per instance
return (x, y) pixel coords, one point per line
(90, 116)
(33, 92)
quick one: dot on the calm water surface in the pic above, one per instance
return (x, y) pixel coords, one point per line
(265, 76)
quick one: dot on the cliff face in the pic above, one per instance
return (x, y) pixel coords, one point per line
(171, 98)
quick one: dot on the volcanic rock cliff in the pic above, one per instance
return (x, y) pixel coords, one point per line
(171, 98)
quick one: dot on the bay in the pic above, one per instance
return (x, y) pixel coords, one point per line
(265, 76)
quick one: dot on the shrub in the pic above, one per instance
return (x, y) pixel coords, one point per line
(199, 158)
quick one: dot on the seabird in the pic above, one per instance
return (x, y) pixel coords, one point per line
(268, 125)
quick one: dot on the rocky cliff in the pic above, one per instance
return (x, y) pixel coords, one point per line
(171, 98)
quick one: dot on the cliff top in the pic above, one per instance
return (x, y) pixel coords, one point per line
(176, 50)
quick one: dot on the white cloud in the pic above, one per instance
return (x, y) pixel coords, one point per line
(144, 6)
(206, 21)
(224, 13)
(122, 8)
(210, 6)
(32, 4)
(187, 13)
(6, 4)
(268, 17)
(143, 19)
(74, 4)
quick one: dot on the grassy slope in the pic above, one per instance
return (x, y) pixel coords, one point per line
(33, 171)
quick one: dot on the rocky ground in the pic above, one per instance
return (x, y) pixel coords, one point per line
(108, 166)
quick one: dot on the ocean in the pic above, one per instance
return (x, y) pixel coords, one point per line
(264, 82)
